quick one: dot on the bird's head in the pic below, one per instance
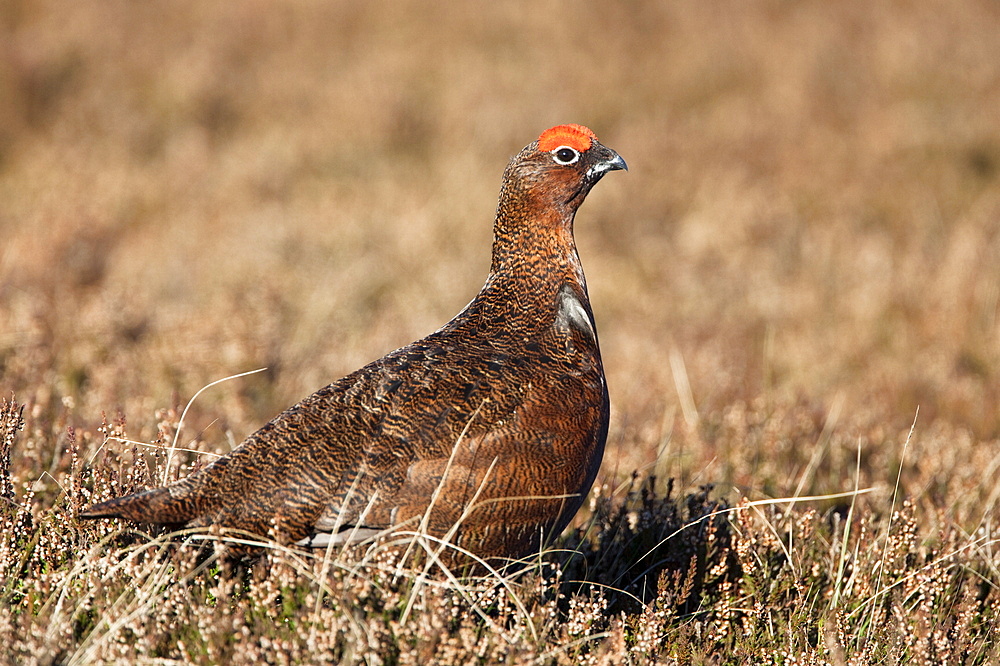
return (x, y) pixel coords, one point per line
(560, 167)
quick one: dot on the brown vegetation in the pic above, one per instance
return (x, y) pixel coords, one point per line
(804, 253)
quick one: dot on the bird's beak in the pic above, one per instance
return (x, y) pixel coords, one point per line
(609, 161)
(615, 163)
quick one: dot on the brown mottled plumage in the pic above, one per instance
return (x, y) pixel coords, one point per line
(500, 416)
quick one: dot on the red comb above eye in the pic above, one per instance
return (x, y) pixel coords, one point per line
(574, 136)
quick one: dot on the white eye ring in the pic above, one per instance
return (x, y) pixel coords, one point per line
(565, 155)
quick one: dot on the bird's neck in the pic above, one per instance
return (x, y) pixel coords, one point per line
(537, 254)
(533, 261)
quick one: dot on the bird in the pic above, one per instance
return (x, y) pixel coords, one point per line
(487, 434)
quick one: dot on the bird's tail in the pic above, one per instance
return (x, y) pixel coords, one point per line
(164, 506)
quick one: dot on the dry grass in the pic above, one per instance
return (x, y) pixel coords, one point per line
(804, 253)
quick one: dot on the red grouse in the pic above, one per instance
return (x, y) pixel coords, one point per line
(488, 431)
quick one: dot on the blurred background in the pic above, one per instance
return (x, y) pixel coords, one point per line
(805, 250)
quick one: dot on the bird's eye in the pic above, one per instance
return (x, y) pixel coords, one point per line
(565, 155)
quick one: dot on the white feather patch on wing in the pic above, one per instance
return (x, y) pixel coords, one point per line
(324, 539)
(570, 312)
